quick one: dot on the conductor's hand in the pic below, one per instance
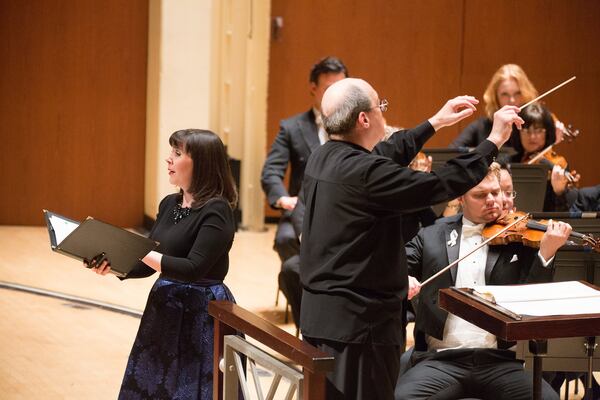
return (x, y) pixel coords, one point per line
(453, 111)
(99, 264)
(504, 118)
(414, 287)
(555, 236)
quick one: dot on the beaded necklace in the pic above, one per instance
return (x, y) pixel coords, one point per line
(180, 213)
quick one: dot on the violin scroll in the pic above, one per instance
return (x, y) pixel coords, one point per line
(565, 132)
(588, 240)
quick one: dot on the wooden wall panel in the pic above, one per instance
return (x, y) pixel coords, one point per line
(417, 54)
(73, 109)
(409, 51)
(552, 41)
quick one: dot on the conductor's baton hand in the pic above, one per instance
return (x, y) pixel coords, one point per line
(414, 287)
(504, 119)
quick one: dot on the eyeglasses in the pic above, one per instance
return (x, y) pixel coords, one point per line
(510, 193)
(383, 105)
(534, 131)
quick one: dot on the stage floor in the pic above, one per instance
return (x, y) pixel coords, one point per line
(57, 349)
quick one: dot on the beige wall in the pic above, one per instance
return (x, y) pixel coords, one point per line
(208, 68)
(178, 97)
(239, 95)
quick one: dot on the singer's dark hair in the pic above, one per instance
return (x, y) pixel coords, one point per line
(211, 176)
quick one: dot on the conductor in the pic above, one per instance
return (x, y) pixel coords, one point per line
(353, 262)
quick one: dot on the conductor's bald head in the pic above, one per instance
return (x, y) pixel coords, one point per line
(351, 113)
(343, 102)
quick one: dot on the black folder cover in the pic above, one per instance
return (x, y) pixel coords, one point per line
(122, 248)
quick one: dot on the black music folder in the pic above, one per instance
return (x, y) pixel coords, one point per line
(85, 240)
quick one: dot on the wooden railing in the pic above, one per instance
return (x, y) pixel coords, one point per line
(231, 318)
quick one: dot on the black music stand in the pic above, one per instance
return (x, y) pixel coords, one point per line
(535, 329)
(529, 181)
(441, 155)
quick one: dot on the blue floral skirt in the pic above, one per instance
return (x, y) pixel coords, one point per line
(172, 356)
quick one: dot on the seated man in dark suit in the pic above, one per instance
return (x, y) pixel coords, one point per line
(298, 136)
(453, 358)
(588, 199)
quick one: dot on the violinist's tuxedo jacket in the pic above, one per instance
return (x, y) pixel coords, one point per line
(465, 372)
(433, 249)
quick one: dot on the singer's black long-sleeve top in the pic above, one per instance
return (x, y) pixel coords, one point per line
(194, 248)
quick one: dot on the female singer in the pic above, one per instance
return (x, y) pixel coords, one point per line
(537, 133)
(172, 356)
(509, 86)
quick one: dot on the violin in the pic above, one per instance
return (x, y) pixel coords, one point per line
(421, 162)
(515, 227)
(528, 231)
(550, 158)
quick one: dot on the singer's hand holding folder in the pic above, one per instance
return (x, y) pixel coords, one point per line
(86, 240)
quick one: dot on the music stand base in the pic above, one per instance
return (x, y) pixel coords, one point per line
(539, 348)
(590, 346)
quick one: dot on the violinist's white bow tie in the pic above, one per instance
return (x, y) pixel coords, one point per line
(472, 230)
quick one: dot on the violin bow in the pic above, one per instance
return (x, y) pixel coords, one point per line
(452, 264)
(547, 93)
(540, 155)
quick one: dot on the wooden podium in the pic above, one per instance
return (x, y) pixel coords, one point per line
(537, 330)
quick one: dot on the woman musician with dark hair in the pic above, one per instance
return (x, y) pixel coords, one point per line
(538, 133)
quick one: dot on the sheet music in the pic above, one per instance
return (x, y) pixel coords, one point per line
(544, 299)
(62, 227)
(590, 305)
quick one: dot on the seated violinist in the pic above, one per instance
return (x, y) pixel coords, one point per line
(537, 133)
(452, 358)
